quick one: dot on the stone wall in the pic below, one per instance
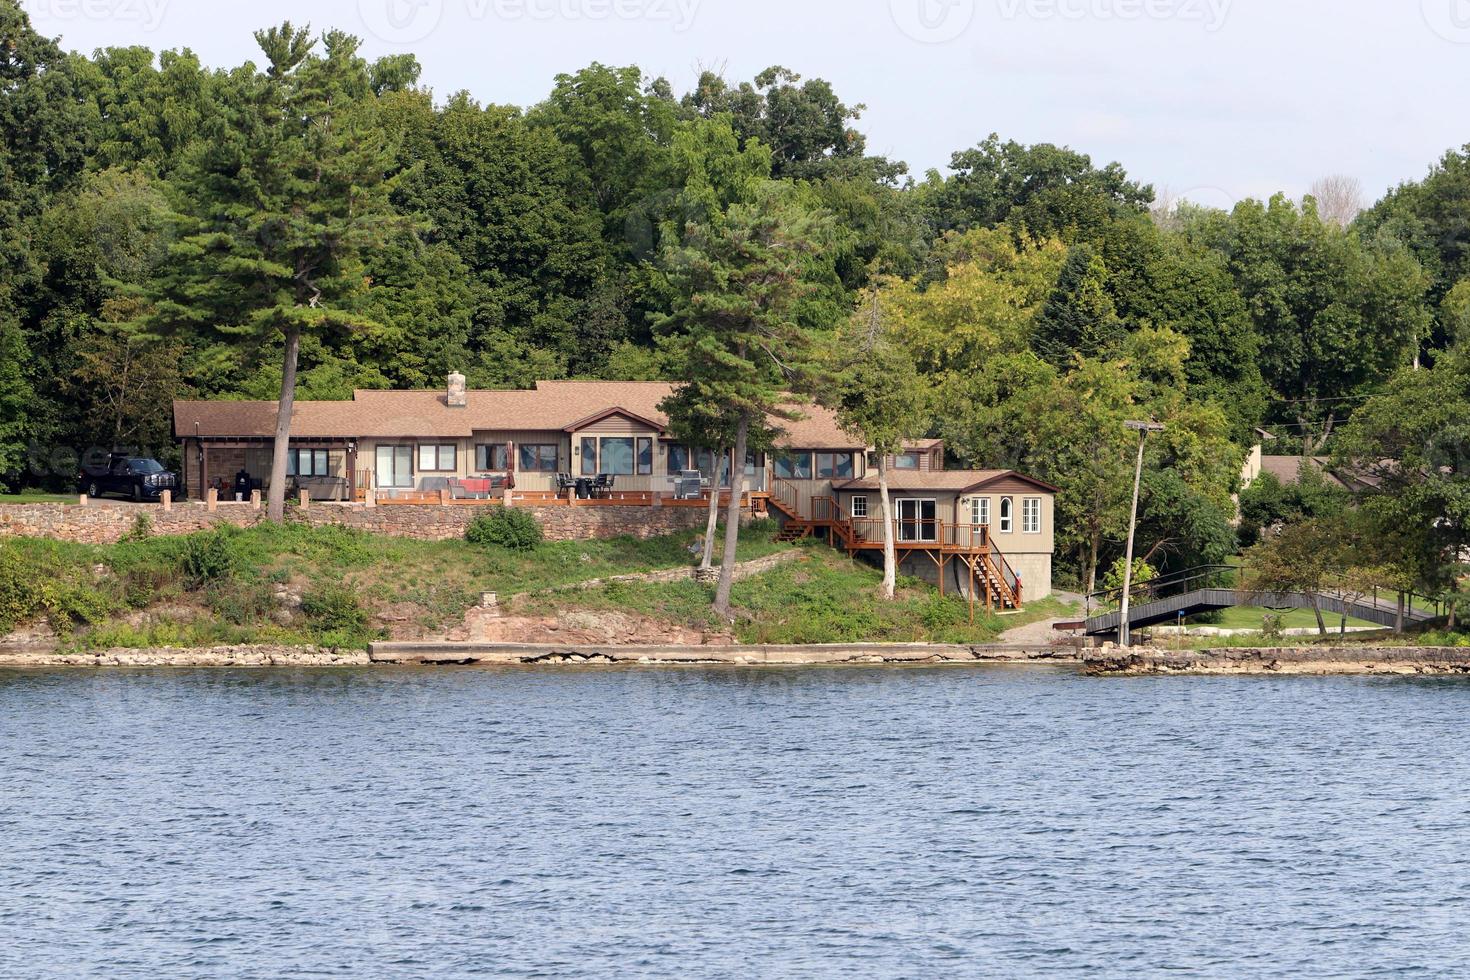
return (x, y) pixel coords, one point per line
(106, 522)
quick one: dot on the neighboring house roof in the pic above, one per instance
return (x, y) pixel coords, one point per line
(944, 481)
(550, 406)
(1288, 469)
(922, 445)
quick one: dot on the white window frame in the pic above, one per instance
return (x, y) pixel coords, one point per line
(854, 508)
(1007, 515)
(1030, 515)
(980, 511)
(436, 450)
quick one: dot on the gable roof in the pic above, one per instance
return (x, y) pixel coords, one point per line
(944, 481)
(550, 406)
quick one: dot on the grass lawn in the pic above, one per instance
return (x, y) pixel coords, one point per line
(35, 497)
(219, 587)
(224, 587)
(825, 597)
(1250, 617)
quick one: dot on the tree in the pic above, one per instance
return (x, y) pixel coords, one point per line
(744, 350)
(880, 399)
(1079, 318)
(1336, 314)
(1339, 198)
(1041, 189)
(15, 396)
(1412, 443)
(279, 211)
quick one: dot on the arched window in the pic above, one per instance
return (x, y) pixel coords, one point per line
(1007, 515)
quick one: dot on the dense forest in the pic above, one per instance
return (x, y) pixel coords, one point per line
(166, 227)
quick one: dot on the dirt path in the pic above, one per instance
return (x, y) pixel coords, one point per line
(1041, 632)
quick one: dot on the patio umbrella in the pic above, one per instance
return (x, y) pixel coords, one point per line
(510, 464)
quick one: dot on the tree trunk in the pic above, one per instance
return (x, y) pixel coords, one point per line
(276, 511)
(1093, 547)
(890, 553)
(732, 521)
(1398, 618)
(707, 560)
(1317, 608)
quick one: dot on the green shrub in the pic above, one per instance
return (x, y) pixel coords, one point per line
(38, 578)
(243, 602)
(211, 556)
(334, 608)
(505, 527)
(141, 530)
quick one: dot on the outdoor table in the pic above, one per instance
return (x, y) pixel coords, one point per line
(584, 488)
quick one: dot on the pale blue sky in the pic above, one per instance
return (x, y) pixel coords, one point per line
(1213, 99)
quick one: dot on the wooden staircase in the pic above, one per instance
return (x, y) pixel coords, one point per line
(997, 582)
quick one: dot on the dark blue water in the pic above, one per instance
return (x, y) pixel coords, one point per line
(1012, 822)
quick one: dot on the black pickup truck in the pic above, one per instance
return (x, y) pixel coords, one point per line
(132, 476)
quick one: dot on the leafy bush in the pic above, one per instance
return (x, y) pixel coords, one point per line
(36, 580)
(211, 556)
(243, 602)
(141, 530)
(334, 608)
(505, 527)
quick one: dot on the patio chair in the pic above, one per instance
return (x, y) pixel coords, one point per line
(603, 485)
(565, 482)
(458, 491)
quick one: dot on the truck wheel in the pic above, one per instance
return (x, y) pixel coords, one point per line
(93, 490)
(137, 493)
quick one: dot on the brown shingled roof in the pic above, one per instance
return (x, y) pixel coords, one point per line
(948, 481)
(550, 406)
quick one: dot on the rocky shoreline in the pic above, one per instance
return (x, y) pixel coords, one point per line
(533, 654)
(1309, 661)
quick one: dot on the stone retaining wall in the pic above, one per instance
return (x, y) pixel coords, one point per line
(105, 522)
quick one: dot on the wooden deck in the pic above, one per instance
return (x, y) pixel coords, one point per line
(990, 575)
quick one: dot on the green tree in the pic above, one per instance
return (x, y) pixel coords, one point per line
(880, 398)
(742, 348)
(1079, 318)
(1041, 189)
(279, 209)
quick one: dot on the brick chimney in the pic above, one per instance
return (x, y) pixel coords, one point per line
(456, 397)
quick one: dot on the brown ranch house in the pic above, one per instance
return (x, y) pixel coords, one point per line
(986, 534)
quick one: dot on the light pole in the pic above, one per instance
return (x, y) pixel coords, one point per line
(1143, 429)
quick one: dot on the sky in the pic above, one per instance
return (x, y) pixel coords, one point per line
(1211, 100)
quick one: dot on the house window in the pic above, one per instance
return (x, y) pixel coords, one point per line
(980, 511)
(394, 466)
(437, 458)
(617, 455)
(906, 461)
(1031, 515)
(794, 466)
(1007, 517)
(493, 457)
(834, 466)
(308, 462)
(859, 506)
(536, 459)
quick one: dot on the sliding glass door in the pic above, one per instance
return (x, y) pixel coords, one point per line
(917, 521)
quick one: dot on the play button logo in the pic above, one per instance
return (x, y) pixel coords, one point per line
(400, 21)
(1450, 19)
(933, 21)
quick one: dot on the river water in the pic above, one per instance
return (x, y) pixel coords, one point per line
(701, 823)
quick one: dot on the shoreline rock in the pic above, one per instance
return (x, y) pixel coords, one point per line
(1306, 661)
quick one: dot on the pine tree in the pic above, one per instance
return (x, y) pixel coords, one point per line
(280, 205)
